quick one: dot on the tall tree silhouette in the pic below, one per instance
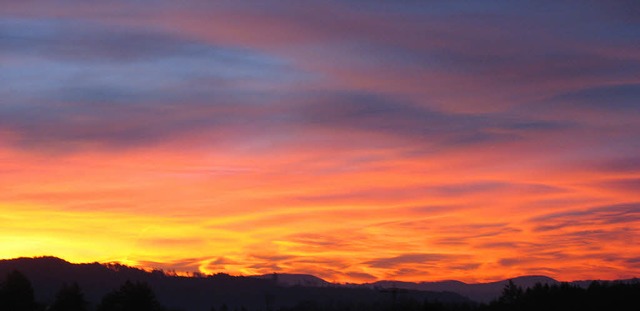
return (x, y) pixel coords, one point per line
(69, 298)
(510, 299)
(131, 297)
(16, 293)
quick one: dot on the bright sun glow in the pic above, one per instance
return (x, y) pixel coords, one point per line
(401, 140)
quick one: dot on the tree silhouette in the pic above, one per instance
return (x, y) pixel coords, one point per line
(69, 298)
(511, 294)
(131, 297)
(16, 293)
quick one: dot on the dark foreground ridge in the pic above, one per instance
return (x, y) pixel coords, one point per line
(479, 292)
(217, 292)
(49, 283)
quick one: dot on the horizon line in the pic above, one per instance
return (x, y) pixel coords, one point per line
(199, 274)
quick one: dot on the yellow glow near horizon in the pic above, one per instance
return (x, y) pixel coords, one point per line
(351, 230)
(396, 143)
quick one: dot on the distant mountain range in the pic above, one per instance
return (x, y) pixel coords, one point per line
(271, 291)
(479, 292)
(285, 279)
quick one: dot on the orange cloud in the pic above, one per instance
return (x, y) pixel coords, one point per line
(334, 139)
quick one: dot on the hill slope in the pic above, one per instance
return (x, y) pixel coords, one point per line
(47, 274)
(480, 292)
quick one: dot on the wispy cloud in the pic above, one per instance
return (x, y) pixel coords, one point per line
(355, 140)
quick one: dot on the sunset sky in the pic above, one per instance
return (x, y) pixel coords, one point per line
(354, 140)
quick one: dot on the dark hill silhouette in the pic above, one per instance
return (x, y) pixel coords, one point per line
(286, 279)
(271, 291)
(479, 292)
(48, 274)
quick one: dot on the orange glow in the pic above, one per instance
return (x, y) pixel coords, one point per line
(412, 219)
(352, 140)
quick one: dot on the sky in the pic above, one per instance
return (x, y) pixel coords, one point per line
(353, 140)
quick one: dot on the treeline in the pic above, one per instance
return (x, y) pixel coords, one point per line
(17, 294)
(598, 296)
(565, 296)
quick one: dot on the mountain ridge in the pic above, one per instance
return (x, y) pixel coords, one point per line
(48, 274)
(98, 278)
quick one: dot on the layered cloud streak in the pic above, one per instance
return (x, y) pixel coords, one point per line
(357, 141)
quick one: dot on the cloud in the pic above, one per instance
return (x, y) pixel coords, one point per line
(473, 234)
(604, 99)
(504, 129)
(320, 241)
(175, 243)
(361, 276)
(390, 194)
(601, 215)
(501, 245)
(619, 165)
(180, 265)
(412, 259)
(155, 80)
(629, 185)
(82, 84)
(77, 41)
(372, 113)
